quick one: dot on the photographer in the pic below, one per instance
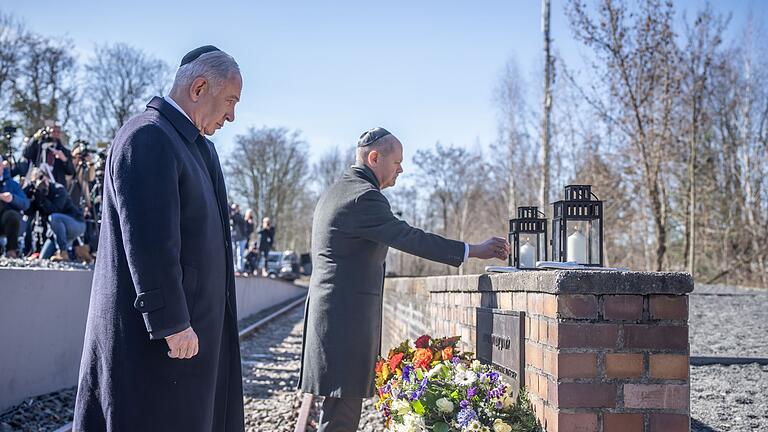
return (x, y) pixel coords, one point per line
(12, 203)
(65, 220)
(85, 173)
(45, 147)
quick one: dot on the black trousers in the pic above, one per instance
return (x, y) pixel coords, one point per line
(10, 221)
(340, 415)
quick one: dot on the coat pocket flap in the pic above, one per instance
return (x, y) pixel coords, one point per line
(149, 301)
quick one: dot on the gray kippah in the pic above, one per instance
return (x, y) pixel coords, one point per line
(370, 136)
(197, 52)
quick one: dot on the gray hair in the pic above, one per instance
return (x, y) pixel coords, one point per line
(383, 145)
(215, 67)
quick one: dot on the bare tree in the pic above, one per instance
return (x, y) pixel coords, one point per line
(513, 150)
(546, 112)
(331, 165)
(455, 180)
(703, 41)
(46, 86)
(268, 168)
(638, 62)
(12, 36)
(119, 80)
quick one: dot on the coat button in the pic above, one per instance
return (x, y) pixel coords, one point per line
(141, 303)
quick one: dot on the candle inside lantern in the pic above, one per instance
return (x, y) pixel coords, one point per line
(527, 255)
(577, 247)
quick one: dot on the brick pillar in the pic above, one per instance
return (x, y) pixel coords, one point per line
(604, 359)
(604, 351)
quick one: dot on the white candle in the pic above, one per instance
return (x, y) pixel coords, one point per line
(577, 247)
(527, 255)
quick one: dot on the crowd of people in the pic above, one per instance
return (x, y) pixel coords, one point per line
(250, 252)
(50, 201)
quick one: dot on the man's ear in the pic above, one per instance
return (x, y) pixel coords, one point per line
(198, 87)
(373, 157)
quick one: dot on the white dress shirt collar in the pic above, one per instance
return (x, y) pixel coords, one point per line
(173, 103)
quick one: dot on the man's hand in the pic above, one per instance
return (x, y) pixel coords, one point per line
(494, 247)
(183, 345)
(6, 197)
(58, 154)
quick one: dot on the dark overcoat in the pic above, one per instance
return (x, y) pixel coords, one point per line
(352, 230)
(164, 263)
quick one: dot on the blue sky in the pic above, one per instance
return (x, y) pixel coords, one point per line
(425, 70)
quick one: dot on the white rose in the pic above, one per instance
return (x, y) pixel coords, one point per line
(444, 405)
(476, 365)
(435, 370)
(500, 426)
(401, 407)
(414, 423)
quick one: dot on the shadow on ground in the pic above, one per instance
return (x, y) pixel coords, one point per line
(697, 426)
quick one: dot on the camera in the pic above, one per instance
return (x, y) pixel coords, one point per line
(9, 131)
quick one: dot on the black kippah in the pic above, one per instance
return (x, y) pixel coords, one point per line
(197, 52)
(370, 136)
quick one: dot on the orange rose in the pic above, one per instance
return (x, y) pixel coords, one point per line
(379, 364)
(447, 353)
(395, 360)
(422, 358)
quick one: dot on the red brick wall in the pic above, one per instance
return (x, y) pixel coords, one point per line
(597, 358)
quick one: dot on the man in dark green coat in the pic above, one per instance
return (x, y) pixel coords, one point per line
(352, 229)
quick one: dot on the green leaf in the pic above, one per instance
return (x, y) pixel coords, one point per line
(419, 374)
(440, 427)
(418, 408)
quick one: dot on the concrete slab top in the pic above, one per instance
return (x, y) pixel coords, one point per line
(563, 282)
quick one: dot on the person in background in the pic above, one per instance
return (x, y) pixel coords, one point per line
(266, 241)
(65, 219)
(46, 149)
(13, 201)
(251, 265)
(239, 237)
(249, 227)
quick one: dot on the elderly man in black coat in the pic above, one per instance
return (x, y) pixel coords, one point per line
(161, 349)
(352, 229)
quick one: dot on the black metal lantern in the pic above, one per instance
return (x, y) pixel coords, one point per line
(577, 227)
(528, 238)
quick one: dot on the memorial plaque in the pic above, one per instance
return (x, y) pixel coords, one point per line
(501, 342)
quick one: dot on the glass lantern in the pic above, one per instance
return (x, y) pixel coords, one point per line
(528, 238)
(577, 227)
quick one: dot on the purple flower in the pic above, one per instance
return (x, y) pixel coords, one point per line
(492, 376)
(464, 404)
(386, 388)
(497, 392)
(455, 360)
(465, 416)
(420, 391)
(407, 371)
(471, 392)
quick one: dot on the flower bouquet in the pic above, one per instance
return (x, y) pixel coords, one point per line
(435, 387)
